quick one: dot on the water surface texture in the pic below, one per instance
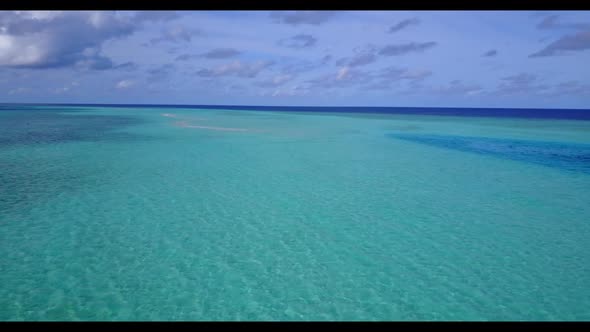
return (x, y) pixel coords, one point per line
(137, 213)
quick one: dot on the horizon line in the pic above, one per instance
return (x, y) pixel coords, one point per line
(297, 106)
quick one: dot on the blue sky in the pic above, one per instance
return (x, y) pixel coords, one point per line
(326, 58)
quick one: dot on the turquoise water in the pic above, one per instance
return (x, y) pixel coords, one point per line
(195, 214)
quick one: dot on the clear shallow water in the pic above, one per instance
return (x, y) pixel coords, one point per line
(180, 214)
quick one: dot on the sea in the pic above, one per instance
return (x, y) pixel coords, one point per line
(253, 213)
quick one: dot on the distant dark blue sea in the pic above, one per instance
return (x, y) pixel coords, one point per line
(529, 113)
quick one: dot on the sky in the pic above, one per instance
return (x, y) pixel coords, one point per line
(506, 59)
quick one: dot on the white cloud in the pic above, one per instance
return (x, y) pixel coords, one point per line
(342, 73)
(124, 84)
(48, 39)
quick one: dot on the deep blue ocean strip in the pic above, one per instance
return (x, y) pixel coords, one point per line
(528, 113)
(565, 156)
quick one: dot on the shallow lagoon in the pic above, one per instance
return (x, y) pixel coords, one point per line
(201, 214)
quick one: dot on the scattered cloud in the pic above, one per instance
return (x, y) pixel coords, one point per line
(369, 80)
(553, 22)
(529, 84)
(177, 34)
(457, 87)
(403, 24)
(523, 83)
(298, 41)
(326, 59)
(18, 91)
(174, 50)
(301, 66)
(160, 73)
(221, 53)
(96, 62)
(302, 17)
(413, 74)
(571, 88)
(156, 15)
(401, 49)
(41, 51)
(358, 60)
(548, 22)
(297, 90)
(124, 84)
(276, 81)
(490, 53)
(579, 41)
(128, 66)
(364, 55)
(236, 68)
(217, 53)
(452, 88)
(342, 78)
(187, 57)
(60, 90)
(343, 73)
(59, 39)
(387, 77)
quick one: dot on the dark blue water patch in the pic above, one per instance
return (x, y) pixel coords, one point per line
(565, 156)
(30, 125)
(527, 113)
(23, 183)
(41, 108)
(27, 179)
